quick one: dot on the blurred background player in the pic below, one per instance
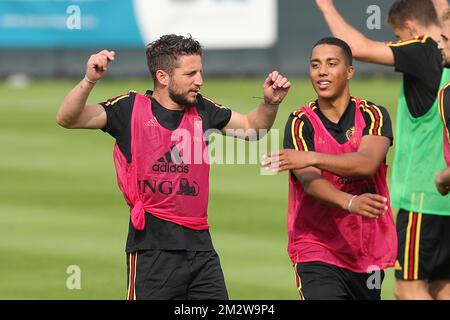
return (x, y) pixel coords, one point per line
(443, 177)
(169, 249)
(340, 222)
(423, 212)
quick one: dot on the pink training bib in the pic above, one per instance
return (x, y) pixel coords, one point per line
(318, 232)
(168, 176)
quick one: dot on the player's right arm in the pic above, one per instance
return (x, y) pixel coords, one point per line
(363, 48)
(75, 113)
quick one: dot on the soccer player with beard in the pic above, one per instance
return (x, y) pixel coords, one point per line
(169, 249)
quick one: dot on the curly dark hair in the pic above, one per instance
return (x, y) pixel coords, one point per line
(421, 10)
(163, 53)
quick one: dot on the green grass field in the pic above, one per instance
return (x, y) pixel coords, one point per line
(60, 205)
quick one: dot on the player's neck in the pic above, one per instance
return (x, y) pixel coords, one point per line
(432, 31)
(164, 100)
(435, 33)
(334, 108)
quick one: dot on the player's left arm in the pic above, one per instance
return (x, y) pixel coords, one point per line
(363, 48)
(366, 205)
(275, 89)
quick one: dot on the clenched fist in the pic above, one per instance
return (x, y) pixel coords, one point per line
(98, 64)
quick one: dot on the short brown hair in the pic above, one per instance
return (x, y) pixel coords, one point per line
(446, 16)
(163, 53)
(422, 11)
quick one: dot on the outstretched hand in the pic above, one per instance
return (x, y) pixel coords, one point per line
(275, 88)
(98, 64)
(287, 159)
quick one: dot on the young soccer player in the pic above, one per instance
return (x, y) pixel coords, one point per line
(340, 225)
(423, 220)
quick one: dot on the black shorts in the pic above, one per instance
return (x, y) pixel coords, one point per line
(175, 275)
(423, 246)
(323, 281)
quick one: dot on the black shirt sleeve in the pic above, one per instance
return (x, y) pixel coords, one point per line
(118, 114)
(118, 120)
(378, 121)
(298, 133)
(418, 57)
(216, 116)
(420, 61)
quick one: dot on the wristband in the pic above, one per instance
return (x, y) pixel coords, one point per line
(266, 101)
(350, 202)
(89, 80)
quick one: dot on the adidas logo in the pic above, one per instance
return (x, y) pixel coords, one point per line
(167, 163)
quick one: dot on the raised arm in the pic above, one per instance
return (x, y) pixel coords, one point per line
(367, 205)
(75, 113)
(361, 164)
(275, 88)
(363, 48)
